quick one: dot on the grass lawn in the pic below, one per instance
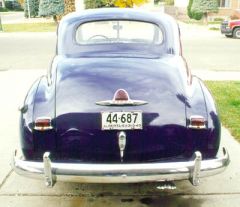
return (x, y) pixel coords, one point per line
(227, 96)
(30, 27)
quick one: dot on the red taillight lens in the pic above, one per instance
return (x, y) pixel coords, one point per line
(121, 95)
(197, 122)
(43, 123)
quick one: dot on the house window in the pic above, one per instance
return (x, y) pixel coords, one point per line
(224, 3)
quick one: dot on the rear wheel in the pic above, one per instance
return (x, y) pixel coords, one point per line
(236, 33)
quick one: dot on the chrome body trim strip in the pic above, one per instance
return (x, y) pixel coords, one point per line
(121, 103)
(123, 173)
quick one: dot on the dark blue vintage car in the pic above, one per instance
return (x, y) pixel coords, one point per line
(119, 105)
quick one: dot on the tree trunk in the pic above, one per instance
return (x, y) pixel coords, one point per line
(55, 19)
(205, 18)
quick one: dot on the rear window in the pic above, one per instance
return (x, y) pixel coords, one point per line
(121, 31)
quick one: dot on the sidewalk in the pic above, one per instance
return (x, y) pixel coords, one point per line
(18, 17)
(217, 75)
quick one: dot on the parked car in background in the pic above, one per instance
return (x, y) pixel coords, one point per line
(119, 105)
(231, 28)
(13, 5)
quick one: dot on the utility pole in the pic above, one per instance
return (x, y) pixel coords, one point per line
(28, 5)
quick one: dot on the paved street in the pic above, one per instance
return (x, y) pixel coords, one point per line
(24, 57)
(209, 50)
(203, 50)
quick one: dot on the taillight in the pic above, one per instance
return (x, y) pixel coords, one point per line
(197, 122)
(43, 123)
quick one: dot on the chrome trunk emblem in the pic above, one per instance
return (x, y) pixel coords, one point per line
(122, 143)
(121, 98)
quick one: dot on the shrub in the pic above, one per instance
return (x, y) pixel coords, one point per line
(189, 7)
(92, 4)
(197, 15)
(169, 2)
(3, 9)
(205, 6)
(218, 19)
(193, 14)
(51, 8)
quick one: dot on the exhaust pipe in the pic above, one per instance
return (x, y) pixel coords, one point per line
(166, 186)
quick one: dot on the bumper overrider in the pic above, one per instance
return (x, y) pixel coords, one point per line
(226, 31)
(51, 172)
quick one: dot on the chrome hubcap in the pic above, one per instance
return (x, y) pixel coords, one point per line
(238, 34)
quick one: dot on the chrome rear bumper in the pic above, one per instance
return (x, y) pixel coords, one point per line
(120, 173)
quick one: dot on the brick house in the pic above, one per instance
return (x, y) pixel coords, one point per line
(226, 7)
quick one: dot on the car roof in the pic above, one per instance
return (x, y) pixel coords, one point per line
(117, 13)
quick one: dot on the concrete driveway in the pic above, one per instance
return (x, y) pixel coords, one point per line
(220, 191)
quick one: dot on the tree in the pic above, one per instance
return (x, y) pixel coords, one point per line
(69, 6)
(33, 6)
(51, 8)
(92, 4)
(108, 3)
(192, 14)
(205, 6)
(21, 2)
(129, 3)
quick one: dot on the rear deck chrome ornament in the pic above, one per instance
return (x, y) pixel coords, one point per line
(121, 98)
(197, 122)
(122, 138)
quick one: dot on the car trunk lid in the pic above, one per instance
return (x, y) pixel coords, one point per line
(83, 83)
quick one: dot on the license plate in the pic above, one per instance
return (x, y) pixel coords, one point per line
(122, 120)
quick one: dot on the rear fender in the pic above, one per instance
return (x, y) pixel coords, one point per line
(26, 121)
(39, 102)
(44, 106)
(214, 124)
(200, 102)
